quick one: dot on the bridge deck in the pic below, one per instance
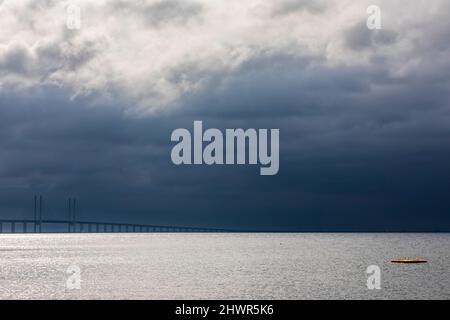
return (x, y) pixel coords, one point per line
(99, 226)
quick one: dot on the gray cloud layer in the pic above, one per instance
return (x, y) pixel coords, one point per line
(364, 115)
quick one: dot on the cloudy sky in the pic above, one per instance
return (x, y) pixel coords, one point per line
(364, 115)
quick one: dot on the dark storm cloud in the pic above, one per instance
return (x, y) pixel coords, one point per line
(364, 143)
(346, 151)
(59, 148)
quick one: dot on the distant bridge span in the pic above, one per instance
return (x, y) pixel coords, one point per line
(72, 224)
(35, 226)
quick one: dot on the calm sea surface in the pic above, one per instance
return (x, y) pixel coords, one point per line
(223, 266)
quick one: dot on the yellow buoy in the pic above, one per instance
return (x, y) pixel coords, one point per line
(409, 261)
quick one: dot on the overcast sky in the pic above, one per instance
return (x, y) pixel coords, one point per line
(364, 115)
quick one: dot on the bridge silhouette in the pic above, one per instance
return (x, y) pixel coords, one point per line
(73, 225)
